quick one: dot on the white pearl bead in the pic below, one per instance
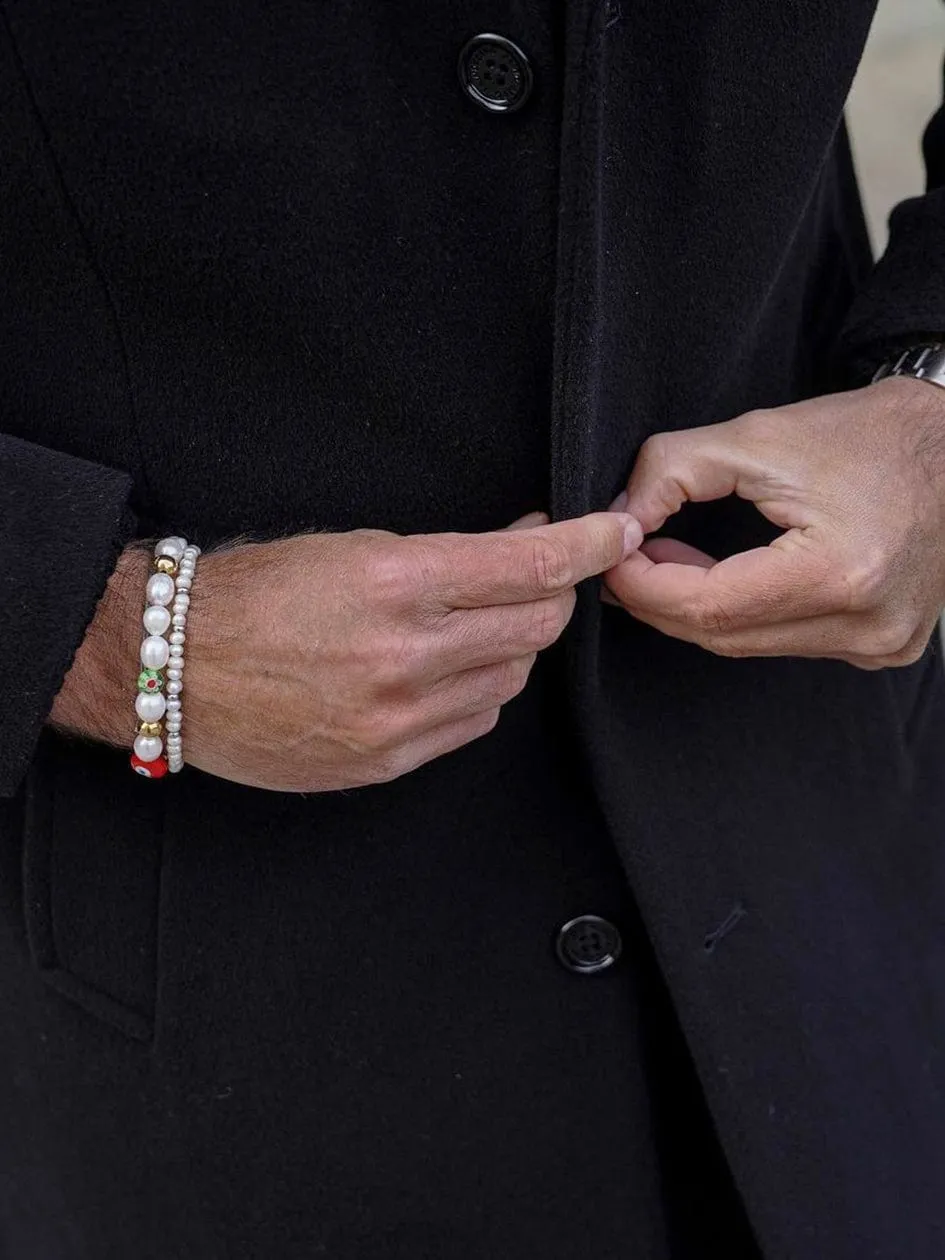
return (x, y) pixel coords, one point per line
(175, 650)
(174, 675)
(148, 747)
(160, 588)
(173, 728)
(174, 688)
(182, 602)
(156, 619)
(154, 652)
(178, 636)
(179, 620)
(184, 582)
(173, 706)
(150, 706)
(173, 547)
(174, 742)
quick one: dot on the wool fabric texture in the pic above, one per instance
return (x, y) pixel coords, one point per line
(266, 268)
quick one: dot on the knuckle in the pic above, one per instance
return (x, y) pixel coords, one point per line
(760, 422)
(709, 618)
(401, 661)
(890, 640)
(656, 451)
(487, 722)
(375, 733)
(863, 582)
(385, 768)
(549, 565)
(912, 653)
(515, 676)
(369, 736)
(549, 618)
(864, 663)
(909, 654)
(389, 572)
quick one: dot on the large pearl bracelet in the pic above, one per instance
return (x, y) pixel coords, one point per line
(158, 746)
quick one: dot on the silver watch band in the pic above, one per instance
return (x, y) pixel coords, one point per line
(925, 363)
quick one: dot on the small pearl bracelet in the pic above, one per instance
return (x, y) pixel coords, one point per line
(162, 660)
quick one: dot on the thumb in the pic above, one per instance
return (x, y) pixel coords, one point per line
(530, 521)
(694, 465)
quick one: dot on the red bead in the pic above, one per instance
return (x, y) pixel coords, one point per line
(149, 769)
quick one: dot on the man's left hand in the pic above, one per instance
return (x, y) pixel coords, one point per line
(857, 481)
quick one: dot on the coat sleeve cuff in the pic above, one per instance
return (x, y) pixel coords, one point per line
(63, 525)
(902, 301)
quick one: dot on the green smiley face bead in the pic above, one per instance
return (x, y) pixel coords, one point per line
(150, 680)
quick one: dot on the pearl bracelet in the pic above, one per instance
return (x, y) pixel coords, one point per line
(162, 660)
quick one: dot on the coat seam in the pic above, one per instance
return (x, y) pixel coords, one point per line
(72, 209)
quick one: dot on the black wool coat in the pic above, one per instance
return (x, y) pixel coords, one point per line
(267, 267)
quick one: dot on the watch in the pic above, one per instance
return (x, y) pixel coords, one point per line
(925, 363)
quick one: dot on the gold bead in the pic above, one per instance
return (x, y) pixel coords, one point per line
(150, 728)
(164, 564)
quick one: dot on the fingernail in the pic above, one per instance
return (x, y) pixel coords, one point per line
(632, 535)
(619, 503)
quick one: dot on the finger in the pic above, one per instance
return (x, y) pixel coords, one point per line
(811, 638)
(791, 579)
(482, 570)
(695, 465)
(838, 637)
(671, 551)
(438, 742)
(473, 691)
(663, 551)
(864, 642)
(475, 637)
(529, 521)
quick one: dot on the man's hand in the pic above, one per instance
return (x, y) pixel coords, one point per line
(330, 661)
(858, 482)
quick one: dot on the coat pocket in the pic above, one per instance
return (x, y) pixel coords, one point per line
(92, 880)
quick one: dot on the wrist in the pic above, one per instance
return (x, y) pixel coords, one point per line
(97, 696)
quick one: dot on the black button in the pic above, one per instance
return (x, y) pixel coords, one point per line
(495, 73)
(588, 944)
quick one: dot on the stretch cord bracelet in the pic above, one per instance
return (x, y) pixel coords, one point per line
(160, 683)
(175, 664)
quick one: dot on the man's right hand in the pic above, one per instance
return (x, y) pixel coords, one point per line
(329, 661)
